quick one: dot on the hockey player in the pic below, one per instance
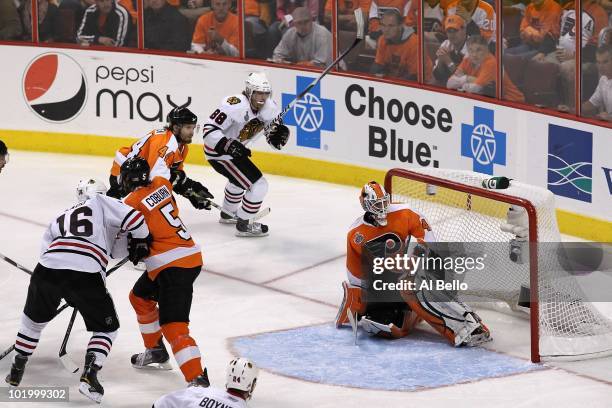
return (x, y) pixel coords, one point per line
(4, 155)
(165, 150)
(385, 230)
(240, 382)
(229, 128)
(75, 251)
(172, 267)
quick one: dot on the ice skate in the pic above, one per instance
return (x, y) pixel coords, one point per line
(156, 358)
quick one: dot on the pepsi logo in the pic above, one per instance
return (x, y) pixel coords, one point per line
(54, 87)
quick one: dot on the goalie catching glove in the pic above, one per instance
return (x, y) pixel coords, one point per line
(138, 248)
(194, 191)
(278, 136)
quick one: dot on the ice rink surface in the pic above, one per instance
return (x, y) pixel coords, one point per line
(275, 284)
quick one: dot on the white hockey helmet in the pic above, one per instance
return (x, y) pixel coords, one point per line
(257, 81)
(241, 375)
(375, 200)
(87, 188)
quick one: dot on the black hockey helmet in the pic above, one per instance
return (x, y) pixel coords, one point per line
(181, 116)
(134, 173)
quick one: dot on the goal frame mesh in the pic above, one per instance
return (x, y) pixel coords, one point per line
(501, 197)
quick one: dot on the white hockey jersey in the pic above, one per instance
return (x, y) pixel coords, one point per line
(197, 397)
(83, 237)
(235, 119)
(567, 39)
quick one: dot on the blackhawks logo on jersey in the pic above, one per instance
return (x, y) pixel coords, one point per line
(233, 100)
(250, 129)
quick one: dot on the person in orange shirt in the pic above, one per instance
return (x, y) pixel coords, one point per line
(345, 10)
(216, 32)
(478, 14)
(165, 150)
(162, 296)
(380, 7)
(540, 26)
(477, 73)
(386, 231)
(397, 50)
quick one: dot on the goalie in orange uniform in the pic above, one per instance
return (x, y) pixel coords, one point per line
(384, 231)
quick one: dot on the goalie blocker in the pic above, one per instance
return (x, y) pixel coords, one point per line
(384, 231)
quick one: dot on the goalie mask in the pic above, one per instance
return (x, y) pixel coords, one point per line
(88, 188)
(257, 82)
(375, 200)
(241, 375)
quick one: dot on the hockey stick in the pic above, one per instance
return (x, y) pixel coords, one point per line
(353, 320)
(257, 216)
(359, 36)
(63, 354)
(12, 347)
(15, 264)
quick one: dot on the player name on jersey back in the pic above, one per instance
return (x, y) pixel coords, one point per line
(156, 197)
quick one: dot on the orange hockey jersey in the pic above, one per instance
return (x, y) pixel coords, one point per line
(172, 244)
(159, 148)
(402, 223)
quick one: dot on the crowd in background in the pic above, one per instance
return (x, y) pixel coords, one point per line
(459, 39)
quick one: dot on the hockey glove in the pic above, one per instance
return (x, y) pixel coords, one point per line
(232, 147)
(115, 189)
(277, 136)
(138, 248)
(194, 191)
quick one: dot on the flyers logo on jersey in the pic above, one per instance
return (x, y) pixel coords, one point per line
(54, 87)
(155, 198)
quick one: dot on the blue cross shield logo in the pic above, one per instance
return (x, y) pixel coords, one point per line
(482, 143)
(310, 115)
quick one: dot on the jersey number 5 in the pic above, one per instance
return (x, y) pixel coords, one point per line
(79, 227)
(176, 222)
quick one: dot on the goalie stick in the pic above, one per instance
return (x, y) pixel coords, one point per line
(358, 37)
(63, 353)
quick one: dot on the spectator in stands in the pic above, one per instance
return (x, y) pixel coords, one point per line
(397, 50)
(605, 36)
(453, 50)
(539, 28)
(477, 73)
(479, 16)
(284, 18)
(4, 156)
(48, 21)
(10, 26)
(305, 43)
(433, 21)
(70, 16)
(165, 27)
(257, 18)
(105, 23)
(217, 31)
(600, 103)
(377, 9)
(345, 10)
(594, 19)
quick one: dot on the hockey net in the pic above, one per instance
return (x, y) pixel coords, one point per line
(460, 210)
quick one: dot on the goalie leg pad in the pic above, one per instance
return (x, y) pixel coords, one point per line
(390, 330)
(352, 299)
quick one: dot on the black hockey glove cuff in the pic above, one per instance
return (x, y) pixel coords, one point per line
(115, 189)
(138, 248)
(194, 191)
(232, 147)
(278, 136)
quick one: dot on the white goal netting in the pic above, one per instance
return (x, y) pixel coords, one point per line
(459, 210)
